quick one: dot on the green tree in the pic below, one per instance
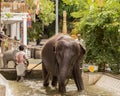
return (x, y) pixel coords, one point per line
(35, 31)
(99, 25)
(46, 15)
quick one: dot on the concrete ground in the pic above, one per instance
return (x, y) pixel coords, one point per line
(33, 63)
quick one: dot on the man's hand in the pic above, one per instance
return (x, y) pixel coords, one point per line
(27, 63)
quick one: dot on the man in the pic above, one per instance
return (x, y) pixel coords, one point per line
(21, 60)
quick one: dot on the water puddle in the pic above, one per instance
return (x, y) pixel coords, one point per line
(35, 88)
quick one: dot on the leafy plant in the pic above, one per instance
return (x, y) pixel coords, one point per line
(35, 31)
(46, 15)
(99, 25)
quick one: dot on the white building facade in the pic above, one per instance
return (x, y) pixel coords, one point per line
(15, 21)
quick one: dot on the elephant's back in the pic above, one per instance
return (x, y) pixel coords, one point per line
(10, 54)
(48, 54)
(48, 47)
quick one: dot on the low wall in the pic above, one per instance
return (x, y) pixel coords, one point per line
(10, 74)
(91, 78)
(4, 87)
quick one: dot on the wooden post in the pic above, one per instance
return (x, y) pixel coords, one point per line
(100, 3)
(64, 30)
(2, 90)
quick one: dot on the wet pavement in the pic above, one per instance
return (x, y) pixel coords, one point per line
(35, 88)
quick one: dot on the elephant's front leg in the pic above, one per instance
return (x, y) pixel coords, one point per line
(78, 77)
(54, 81)
(45, 76)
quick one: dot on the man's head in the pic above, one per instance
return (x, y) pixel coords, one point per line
(79, 36)
(21, 47)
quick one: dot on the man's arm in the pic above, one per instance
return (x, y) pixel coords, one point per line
(26, 60)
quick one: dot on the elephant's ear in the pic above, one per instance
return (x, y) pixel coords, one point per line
(82, 50)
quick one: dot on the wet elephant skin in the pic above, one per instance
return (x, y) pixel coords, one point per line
(61, 57)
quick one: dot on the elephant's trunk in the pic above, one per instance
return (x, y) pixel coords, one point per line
(63, 77)
(61, 81)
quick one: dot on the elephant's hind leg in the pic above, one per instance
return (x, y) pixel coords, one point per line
(46, 76)
(78, 78)
(54, 81)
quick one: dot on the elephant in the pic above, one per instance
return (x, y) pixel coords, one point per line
(61, 56)
(9, 55)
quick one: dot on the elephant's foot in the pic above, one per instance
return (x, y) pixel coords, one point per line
(54, 84)
(81, 88)
(62, 89)
(54, 81)
(46, 84)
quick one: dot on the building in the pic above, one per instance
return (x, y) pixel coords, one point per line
(14, 18)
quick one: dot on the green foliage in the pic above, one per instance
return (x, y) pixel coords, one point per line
(31, 5)
(65, 5)
(46, 15)
(99, 26)
(8, 15)
(73, 2)
(34, 31)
